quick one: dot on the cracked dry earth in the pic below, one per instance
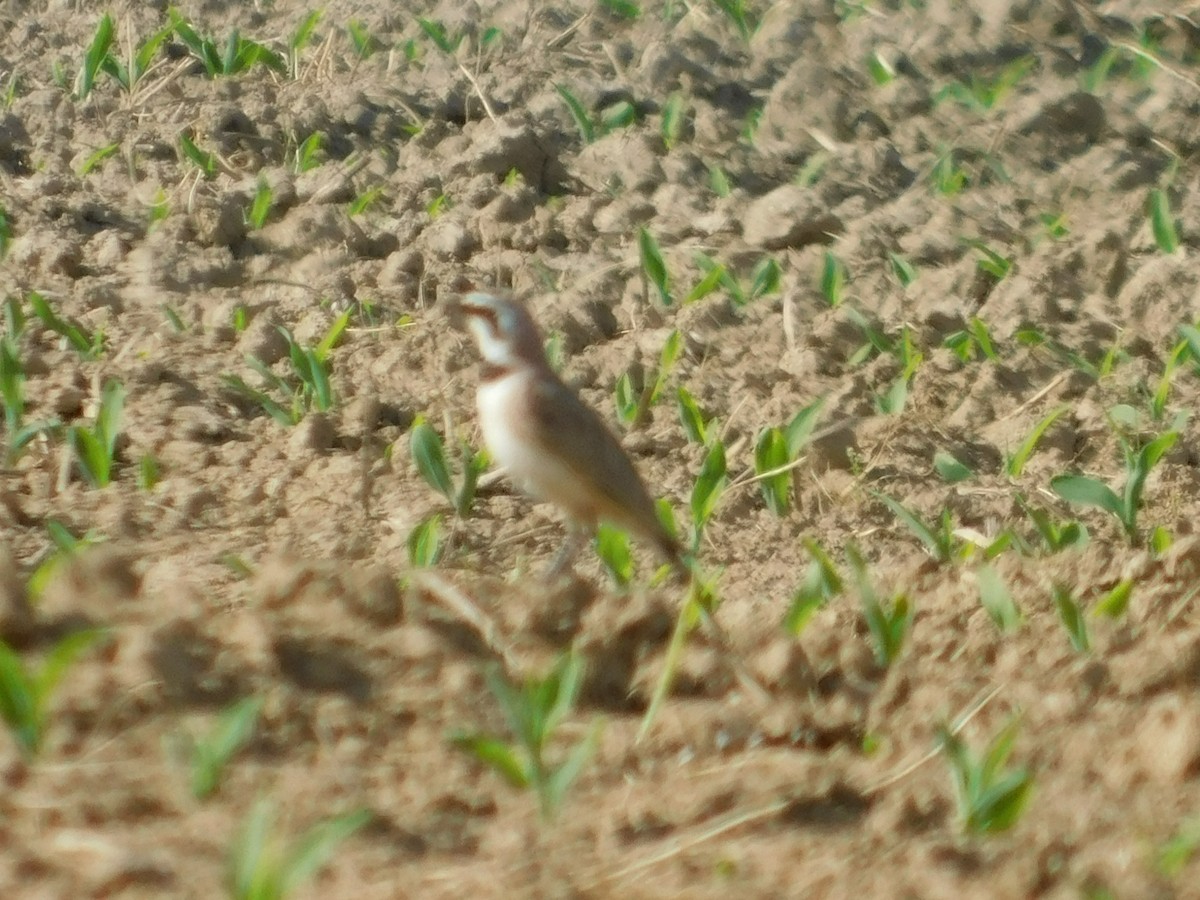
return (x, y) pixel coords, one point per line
(272, 562)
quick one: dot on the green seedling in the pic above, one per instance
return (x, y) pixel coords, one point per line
(93, 60)
(893, 401)
(149, 473)
(204, 161)
(948, 176)
(750, 126)
(1182, 352)
(996, 599)
(6, 233)
(95, 448)
(1089, 491)
(534, 709)
(74, 334)
(888, 623)
(695, 426)
(442, 39)
(308, 387)
(1055, 225)
(882, 72)
(425, 543)
(982, 95)
(634, 394)
(654, 267)
(1015, 464)
(18, 433)
(66, 545)
(1161, 540)
(1034, 338)
(613, 548)
(173, 319)
(973, 342)
(951, 468)
(622, 9)
(364, 42)
(770, 468)
(160, 208)
(305, 158)
(736, 13)
(707, 491)
(1182, 847)
(429, 454)
(365, 200)
(673, 114)
(128, 71)
(719, 182)
(701, 603)
(902, 270)
(1094, 77)
(821, 584)
(238, 55)
(1161, 221)
(991, 262)
(765, 278)
(98, 156)
(263, 867)
(939, 539)
(833, 280)
(260, 205)
(991, 797)
(211, 755)
(876, 342)
(299, 39)
(1071, 616)
(1055, 536)
(776, 454)
(1114, 603)
(437, 206)
(25, 693)
(617, 115)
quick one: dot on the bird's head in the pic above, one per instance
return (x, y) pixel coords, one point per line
(503, 330)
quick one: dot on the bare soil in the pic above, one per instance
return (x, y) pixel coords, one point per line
(273, 561)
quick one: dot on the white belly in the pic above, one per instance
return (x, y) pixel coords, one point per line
(505, 422)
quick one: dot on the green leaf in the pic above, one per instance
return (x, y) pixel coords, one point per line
(833, 279)
(429, 454)
(613, 548)
(96, 54)
(673, 109)
(771, 453)
(1088, 491)
(690, 416)
(316, 847)
(935, 543)
(904, 271)
(233, 729)
(799, 430)
(653, 265)
(1114, 603)
(1072, 618)
(98, 156)
(583, 121)
(1161, 221)
(1015, 464)
(950, 468)
(425, 542)
(765, 278)
(997, 600)
(495, 754)
(709, 486)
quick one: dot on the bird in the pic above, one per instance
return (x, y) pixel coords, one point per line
(550, 443)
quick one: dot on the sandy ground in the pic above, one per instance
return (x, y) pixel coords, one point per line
(272, 561)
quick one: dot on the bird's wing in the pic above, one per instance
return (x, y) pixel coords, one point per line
(573, 432)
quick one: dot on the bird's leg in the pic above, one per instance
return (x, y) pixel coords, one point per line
(565, 558)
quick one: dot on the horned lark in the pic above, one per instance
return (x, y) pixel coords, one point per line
(548, 441)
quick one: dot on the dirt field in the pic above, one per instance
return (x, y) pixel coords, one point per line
(1004, 153)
